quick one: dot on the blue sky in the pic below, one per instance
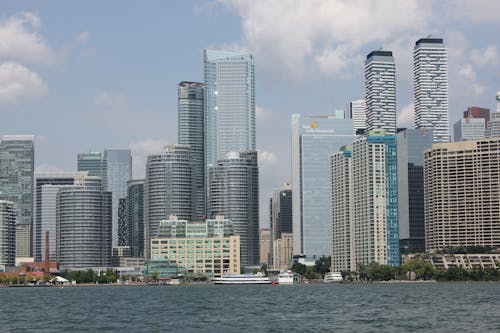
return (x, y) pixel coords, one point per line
(104, 74)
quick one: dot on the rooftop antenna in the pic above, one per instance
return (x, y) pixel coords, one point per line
(429, 36)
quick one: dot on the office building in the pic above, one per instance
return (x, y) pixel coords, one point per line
(191, 131)
(462, 182)
(209, 248)
(430, 85)
(493, 127)
(229, 103)
(478, 112)
(122, 222)
(357, 112)
(168, 188)
(234, 193)
(283, 251)
(84, 225)
(94, 163)
(47, 185)
(364, 194)
(265, 245)
(469, 129)
(281, 211)
(135, 217)
(411, 146)
(314, 140)
(17, 157)
(118, 169)
(7, 234)
(341, 178)
(380, 91)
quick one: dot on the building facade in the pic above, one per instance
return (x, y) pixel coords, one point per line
(17, 161)
(234, 193)
(283, 251)
(7, 233)
(94, 163)
(357, 112)
(430, 85)
(209, 248)
(411, 146)
(265, 246)
(469, 129)
(191, 131)
(168, 188)
(380, 91)
(462, 182)
(229, 103)
(135, 217)
(314, 140)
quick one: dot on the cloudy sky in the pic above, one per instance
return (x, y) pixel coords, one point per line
(90, 75)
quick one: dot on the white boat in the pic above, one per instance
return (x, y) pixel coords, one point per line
(286, 277)
(228, 278)
(333, 277)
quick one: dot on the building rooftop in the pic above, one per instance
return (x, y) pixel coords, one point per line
(429, 41)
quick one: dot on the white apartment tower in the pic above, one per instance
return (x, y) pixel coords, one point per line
(430, 84)
(357, 112)
(380, 92)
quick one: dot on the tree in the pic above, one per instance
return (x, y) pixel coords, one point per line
(323, 265)
(299, 268)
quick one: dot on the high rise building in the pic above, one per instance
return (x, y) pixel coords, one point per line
(234, 193)
(369, 205)
(281, 211)
(469, 129)
(135, 217)
(411, 146)
(47, 185)
(357, 112)
(168, 188)
(478, 112)
(23, 240)
(118, 169)
(380, 91)
(229, 103)
(191, 131)
(94, 163)
(430, 85)
(283, 251)
(84, 225)
(462, 182)
(314, 139)
(122, 223)
(7, 233)
(17, 157)
(265, 245)
(493, 127)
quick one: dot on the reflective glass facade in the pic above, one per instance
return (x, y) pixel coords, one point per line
(135, 217)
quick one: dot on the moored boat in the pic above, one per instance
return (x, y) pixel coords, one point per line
(333, 277)
(227, 278)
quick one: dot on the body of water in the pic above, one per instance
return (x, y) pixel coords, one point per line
(403, 307)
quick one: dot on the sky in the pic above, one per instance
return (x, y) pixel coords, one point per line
(90, 75)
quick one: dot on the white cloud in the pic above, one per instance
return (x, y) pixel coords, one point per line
(18, 82)
(476, 10)
(266, 158)
(467, 72)
(262, 114)
(83, 37)
(111, 100)
(21, 41)
(406, 116)
(299, 38)
(489, 56)
(140, 151)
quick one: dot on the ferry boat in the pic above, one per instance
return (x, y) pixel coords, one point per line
(228, 278)
(286, 277)
(333, 277)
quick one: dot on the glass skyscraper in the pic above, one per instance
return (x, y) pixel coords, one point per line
(314, 140)
(234, 193)
(229, 103)
(380, 91)
(17, 156)
(94, 163)
(7, 234)
(135, 217)
(430, 85)
(191, 131)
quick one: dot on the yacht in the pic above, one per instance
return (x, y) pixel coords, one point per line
(286, 277)
(228, 278)
(333, 277)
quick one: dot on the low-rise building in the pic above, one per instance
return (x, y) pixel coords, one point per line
(465, 261)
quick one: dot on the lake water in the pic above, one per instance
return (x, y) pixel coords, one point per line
(404, 307)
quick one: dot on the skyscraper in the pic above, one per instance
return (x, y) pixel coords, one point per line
(168, 188)
(135, 217)
(281, 211)
(380, 91)
(234, 193)
(430, 85)
(17, 157)
(357, 112)
(118, 170)
(94, 163)
(229, 103)
(469, 129)
(191, 131)
(411, 146)
(7, 233)
(314, 140)
(493, 127)
(47, 185)
(84, 225)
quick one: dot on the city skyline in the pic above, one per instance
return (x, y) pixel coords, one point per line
(82, 75)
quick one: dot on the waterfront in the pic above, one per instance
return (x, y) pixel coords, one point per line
(410, 307)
